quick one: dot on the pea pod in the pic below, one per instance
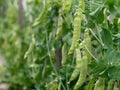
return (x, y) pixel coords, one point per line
(100, 84)
(90, 85)
(54, 85)
(88, 43)
(59, 86)
(64, 53)
(67, 5)
(77, 68)
(39, 19)
(31, 47)
(59, 28)
(77, 30)
(115, 87)
(82, 4)
(83, 71)
(110, 85)
(77, 25)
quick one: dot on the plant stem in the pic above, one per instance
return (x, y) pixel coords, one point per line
(97, 38)
(47, 45)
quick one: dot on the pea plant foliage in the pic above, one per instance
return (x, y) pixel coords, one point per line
(86, 33)
(91, 30)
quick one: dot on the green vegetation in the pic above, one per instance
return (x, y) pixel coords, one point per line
(60, 44)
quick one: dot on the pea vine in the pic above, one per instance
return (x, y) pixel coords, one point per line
(65, 45)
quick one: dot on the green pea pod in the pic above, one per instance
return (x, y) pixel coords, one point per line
(59, 86)
(83, 71)
(88, 44)
(64, 54)
(100, 84)
(110, 85)
(115, 87)
(90, 85)
(77, 26)
(31, 47)
(77, 30)
(67, 5)
(39, 19)
(77, 68)
(82, 4)
(59, 28)
(54, 85)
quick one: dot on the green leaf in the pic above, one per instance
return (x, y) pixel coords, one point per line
(117, 35)
(98, 15)
(110, 2)
(103, 65)
(107, 39)
(114, 72)
(112, 57)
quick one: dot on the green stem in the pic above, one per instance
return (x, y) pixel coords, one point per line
(99, 34)
(97, 38)
(47, 45)
(90, 53)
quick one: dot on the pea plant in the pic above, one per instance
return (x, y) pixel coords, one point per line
(68, 45)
